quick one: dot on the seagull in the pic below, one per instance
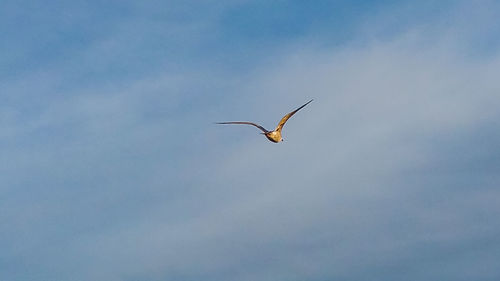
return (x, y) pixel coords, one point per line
(274, 136)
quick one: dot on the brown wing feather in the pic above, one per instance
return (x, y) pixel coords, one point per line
(245, 123)
(286, 117)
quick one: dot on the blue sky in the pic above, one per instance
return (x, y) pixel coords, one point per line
(111, 167)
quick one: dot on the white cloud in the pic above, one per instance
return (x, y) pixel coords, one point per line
(347, 191)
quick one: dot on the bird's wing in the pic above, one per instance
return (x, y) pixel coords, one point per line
(286, 117)
(245, 123)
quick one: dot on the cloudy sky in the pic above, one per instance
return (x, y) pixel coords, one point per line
(111, 167)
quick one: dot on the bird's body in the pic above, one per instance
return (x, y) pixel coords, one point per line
(275, 135)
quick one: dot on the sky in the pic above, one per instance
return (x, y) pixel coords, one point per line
(111, 166)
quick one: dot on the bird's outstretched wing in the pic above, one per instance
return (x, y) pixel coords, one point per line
(286, 117)
(245, 123)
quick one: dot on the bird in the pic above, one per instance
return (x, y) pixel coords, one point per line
(275, 135)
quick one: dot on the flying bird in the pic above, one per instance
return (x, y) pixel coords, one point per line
(274, 136)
